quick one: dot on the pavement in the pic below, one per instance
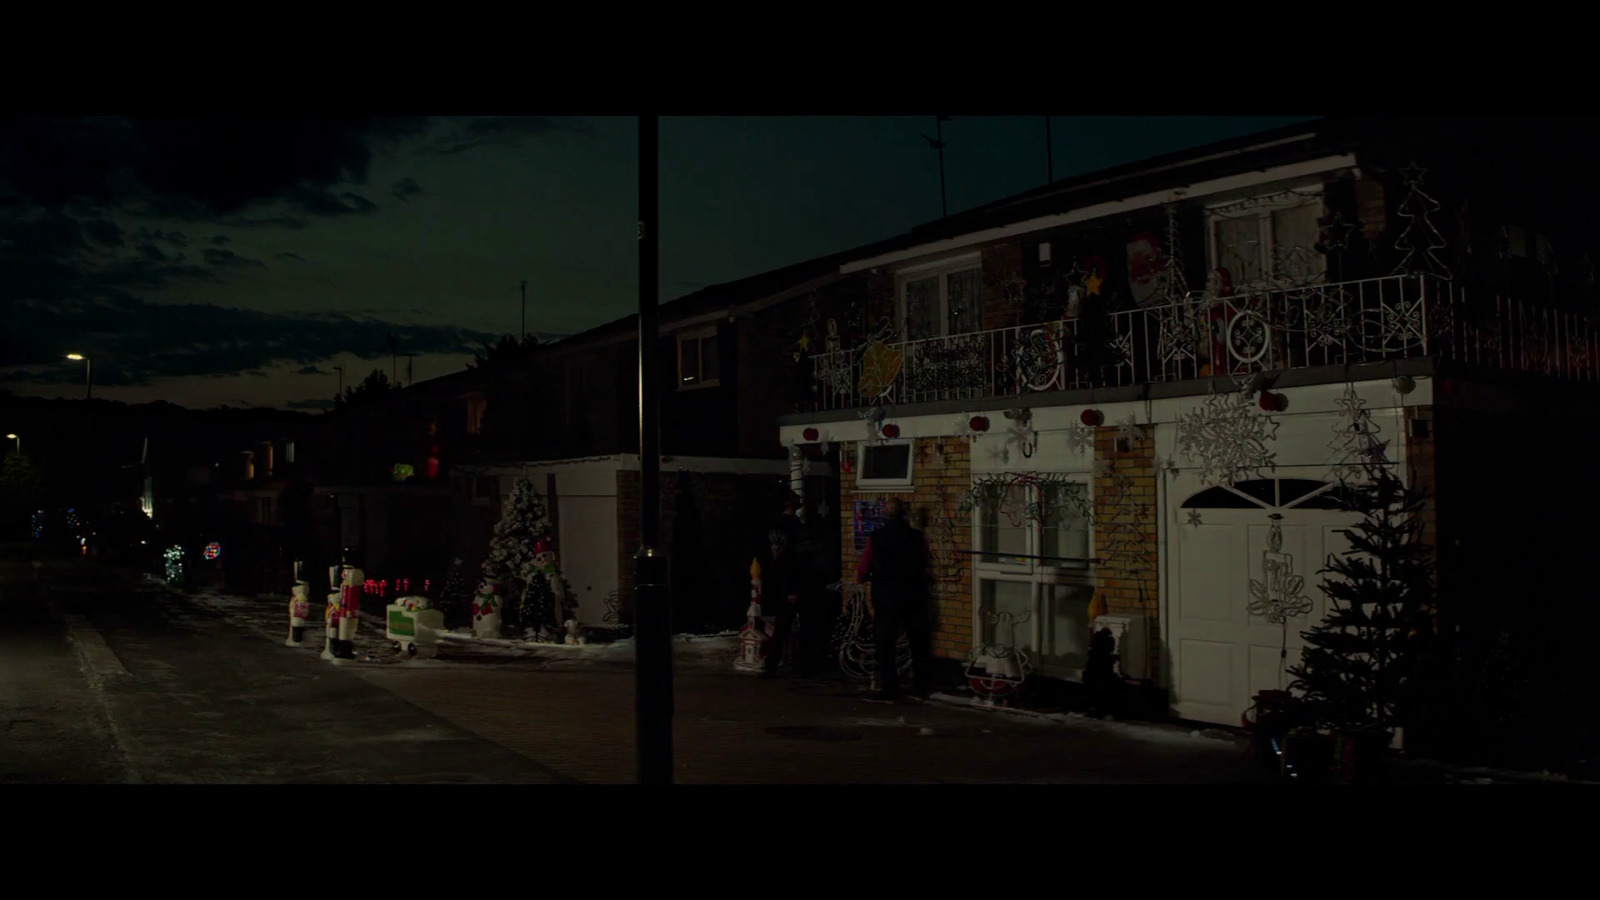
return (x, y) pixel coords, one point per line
(104, 679)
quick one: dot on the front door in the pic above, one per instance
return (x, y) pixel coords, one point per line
(1241, 556)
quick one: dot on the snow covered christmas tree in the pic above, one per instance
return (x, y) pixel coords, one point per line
(520, 556)
(455, 597)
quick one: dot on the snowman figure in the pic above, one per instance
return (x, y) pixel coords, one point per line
(575, 636)
(486, 608)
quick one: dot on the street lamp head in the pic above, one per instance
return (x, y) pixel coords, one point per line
(11, 437)
(74, 356)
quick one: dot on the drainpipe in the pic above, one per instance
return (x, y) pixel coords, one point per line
(797, 481)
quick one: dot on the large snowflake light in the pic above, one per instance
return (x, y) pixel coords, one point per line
(1226, 438)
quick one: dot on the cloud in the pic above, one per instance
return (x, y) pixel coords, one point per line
(216, 256)
(461, 135)
(221, 240)
(313, 403)
(405, 188)
(312, 370)
(292, 258)
(133, 341)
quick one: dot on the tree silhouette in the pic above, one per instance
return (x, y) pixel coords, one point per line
(374, 387)
(507, 349)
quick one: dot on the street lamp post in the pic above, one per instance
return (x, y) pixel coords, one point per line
(88, 374)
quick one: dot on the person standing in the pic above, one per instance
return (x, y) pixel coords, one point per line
(896, 562)
(790, 579)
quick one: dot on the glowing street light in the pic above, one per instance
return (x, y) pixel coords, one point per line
(17, 438)
(88, 373)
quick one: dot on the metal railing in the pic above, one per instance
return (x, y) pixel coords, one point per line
(1344, 323)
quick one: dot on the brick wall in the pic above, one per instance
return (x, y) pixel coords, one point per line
(1126, 519)
(942, 474)
(1002, 285)
(1371, 210)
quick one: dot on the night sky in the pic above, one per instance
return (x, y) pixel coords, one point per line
(211, 261)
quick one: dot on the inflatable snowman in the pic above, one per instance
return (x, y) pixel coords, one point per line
(486, 609)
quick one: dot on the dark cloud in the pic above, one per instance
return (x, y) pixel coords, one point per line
(153, 253)
(221, 240)
(133, 341)
(292, 258)
(311, 370)
(104, 231)
(227, 259)
(405, 188)
(460, 135)
(320, 202)
(313, 403)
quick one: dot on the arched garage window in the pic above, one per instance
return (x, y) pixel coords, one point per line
(1271, 493)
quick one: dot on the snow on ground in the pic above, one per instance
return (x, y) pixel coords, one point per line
(268, 615)
(1148, 732)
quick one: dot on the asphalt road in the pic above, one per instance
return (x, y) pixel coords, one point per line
(104, 682)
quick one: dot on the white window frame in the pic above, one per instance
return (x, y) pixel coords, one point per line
(867, 485)
(1035, 572)
(698, 335)
(941, 270)
(1264, 206)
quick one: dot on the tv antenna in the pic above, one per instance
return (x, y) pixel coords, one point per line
(937, 143)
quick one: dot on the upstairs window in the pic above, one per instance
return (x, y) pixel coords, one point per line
(699, 364)
(475, 410)
(942, 300)
(1269, 241)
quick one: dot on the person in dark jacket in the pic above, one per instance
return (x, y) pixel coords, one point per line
(896, 561)
(790, 581)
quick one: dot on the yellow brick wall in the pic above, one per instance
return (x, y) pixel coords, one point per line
(1125, 498)
(942, 475)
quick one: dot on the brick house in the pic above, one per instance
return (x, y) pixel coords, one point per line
(1139, 384)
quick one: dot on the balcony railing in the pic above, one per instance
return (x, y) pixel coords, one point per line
(1372, 320)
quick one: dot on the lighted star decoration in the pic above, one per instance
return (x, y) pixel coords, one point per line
(805, 342)
(1091, 284)
(1194, 517)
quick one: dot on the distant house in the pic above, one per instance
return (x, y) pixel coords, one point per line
(1136, 382)
(566, 418)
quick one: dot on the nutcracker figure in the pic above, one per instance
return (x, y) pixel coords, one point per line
(299, 609)
(753, 636)
(330, 614)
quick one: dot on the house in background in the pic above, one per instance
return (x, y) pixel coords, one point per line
(1140, 384)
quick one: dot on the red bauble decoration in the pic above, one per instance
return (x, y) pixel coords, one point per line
(811, 434)
(979, 423)
(1270, 402)
(891, 430)
(1449, 387)
(1093, 418)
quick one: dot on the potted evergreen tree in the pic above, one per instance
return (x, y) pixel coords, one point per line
(1360, 662)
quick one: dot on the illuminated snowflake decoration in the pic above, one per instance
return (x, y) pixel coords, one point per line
(1080, 440)
(1226, 438)
(1194, 517)
(1128, 429)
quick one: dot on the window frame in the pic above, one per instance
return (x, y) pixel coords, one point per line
(874, 485)
(698, 336)
(942, 270)
(475, 406)
(1037, 573)
(1265, 207)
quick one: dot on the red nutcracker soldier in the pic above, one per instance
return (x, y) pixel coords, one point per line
(344, 610)
(299, 608)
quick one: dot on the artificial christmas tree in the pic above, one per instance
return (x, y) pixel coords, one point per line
(1359, 665)
(455, 597)
(521, 556)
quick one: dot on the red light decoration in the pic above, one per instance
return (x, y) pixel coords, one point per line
(1270, 402)
(213, 550)
(979, 423)
(811, 434)
(1449, 387)
(1093, 418)
(891, 430)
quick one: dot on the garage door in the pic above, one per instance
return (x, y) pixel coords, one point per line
(589, 553)
(1244, 585)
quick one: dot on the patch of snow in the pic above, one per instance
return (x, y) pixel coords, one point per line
(1151, 732)
(925, 731)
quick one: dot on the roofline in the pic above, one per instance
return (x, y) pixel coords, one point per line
(973, 239)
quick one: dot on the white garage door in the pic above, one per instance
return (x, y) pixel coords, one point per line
(589, 552)
(1236, 555)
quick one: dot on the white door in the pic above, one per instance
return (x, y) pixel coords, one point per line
(1222, 560)
(589, 553)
